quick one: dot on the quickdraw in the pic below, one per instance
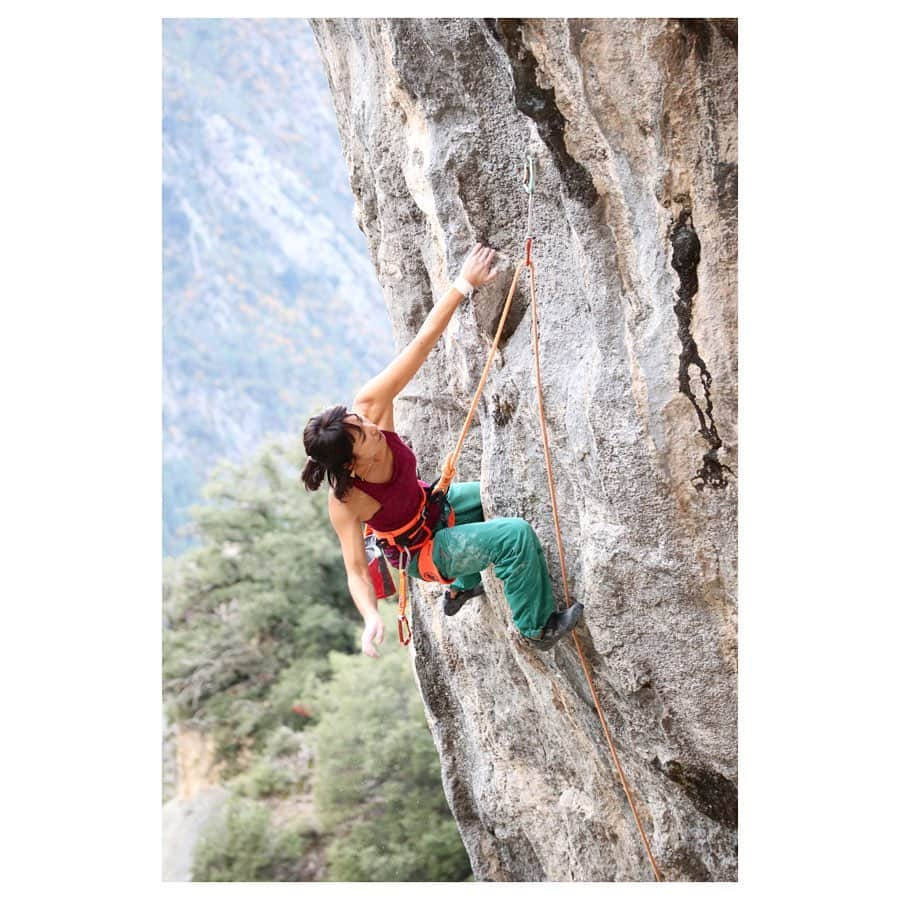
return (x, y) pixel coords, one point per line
(402, 621)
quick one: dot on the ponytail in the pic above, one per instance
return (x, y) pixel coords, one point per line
(329, 446)
(313, 473)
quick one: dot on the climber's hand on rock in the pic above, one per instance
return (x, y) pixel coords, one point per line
(372, 634)
(477, 267)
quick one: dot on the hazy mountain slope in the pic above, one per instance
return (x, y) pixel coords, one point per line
(270, 302)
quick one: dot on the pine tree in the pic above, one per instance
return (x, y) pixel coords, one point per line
(378, 779)
(251, 615)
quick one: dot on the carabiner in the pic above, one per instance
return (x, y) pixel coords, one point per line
(528, 174)
(401, 621)
(404, 588)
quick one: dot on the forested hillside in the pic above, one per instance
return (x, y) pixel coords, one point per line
(325, 757)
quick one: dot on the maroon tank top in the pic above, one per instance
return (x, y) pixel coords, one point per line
(400, 497)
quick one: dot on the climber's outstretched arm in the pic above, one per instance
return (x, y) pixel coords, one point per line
(349, 532)
(377, 395)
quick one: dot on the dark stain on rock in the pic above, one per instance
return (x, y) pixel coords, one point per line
(700, 32)
(729, 30)
(689, 865)
(685, 259)
(521, 857)
(539, 104)
(504, 408)
(710, 792)
(489, 308)
(557, 699)
(727, 184)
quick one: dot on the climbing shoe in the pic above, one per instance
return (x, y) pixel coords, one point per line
(454, 600)
(558, 624)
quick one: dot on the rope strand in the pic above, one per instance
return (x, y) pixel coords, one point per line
(449, 470)
(562, 564)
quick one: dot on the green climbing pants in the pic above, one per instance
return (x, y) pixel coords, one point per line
(471, 545)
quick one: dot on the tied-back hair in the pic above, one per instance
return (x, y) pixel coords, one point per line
(329, 445)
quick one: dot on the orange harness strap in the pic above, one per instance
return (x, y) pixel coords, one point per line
(429, 572)
(427, 567)
(422, 540)
(391, 536)
(404, 632)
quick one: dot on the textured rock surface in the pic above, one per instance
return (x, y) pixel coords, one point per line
(633, 124)
(198, 799)
(183, 821)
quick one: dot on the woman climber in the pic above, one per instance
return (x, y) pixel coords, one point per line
(373, 480)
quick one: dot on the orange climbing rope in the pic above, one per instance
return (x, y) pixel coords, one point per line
(449, 469)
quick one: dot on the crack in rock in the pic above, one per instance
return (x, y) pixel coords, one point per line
(685, 259)
(539, 104)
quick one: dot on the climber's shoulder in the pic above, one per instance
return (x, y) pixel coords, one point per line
(379, 410)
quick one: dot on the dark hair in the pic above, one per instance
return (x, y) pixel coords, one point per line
(329, 445)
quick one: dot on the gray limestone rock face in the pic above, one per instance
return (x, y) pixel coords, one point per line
(183, 820)
(632, 125)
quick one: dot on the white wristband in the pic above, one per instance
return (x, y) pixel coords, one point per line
(463, 286)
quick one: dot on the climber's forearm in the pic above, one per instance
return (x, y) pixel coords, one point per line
(384, 387)
(363, 593)
(389, 383)
(438, 319)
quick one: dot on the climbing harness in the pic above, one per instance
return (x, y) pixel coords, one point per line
(416, 534)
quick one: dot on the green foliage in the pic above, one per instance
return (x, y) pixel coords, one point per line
(297, 681)
(264, 779)
(243, 845)
(282, 769)
(252, 614)
(378, 783)
(284, 742)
